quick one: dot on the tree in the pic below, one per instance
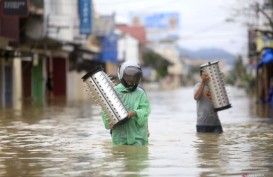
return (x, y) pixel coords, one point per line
(262, 10)
(239, 76)
(157, 62)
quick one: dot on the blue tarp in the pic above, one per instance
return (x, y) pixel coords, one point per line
(109, 48)
(267, 57)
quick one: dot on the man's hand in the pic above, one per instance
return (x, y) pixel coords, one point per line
(205, 77)
(111, 125)
(131, 114)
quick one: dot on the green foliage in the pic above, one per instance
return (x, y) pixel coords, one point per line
(239, 75)
(156, 62)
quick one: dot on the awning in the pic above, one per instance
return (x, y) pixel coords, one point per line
(267, 57)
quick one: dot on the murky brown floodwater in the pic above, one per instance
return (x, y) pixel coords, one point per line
(70, 140)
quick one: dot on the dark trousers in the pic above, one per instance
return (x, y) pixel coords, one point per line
(209, 129)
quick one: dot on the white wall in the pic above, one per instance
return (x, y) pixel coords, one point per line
(128, 48)
(62, 17)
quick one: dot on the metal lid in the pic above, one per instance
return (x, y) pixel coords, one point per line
(92, 72)
(209, 63)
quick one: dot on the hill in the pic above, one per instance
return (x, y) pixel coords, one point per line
(211, 54)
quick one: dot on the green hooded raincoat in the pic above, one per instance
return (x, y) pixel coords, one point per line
(133, 131)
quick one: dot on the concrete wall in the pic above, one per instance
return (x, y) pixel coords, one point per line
(17, 83)
(76, 89)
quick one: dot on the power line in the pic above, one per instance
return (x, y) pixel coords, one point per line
(150, 8)
(207, 29)
(158, 5)
(117, 2)
(211, 36)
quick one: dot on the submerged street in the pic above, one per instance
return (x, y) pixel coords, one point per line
(70, 140)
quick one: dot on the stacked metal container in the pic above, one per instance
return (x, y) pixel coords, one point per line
(216, 85)
(101, 88)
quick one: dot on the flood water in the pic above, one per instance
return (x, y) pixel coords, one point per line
(70, 140)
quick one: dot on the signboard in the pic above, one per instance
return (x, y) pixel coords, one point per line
(159, 26)
(17, 8)
(263, 42)
(109, 50)
(85, 16)
(103, 25)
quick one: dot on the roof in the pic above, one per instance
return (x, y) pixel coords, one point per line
(137, 32)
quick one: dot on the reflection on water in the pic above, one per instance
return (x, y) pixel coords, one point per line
(263, 110)
(70, 140)
(129, 160)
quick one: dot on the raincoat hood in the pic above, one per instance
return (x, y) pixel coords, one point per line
(129, 74)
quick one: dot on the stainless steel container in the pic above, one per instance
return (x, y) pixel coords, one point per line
(216, 86)
(101, 88)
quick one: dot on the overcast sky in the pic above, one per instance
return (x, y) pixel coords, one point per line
(202, 22)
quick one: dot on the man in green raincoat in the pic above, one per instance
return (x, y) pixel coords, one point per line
(135, 130)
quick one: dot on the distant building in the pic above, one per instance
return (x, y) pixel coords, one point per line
(131, 43)
(162, 31)
(261, 51)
